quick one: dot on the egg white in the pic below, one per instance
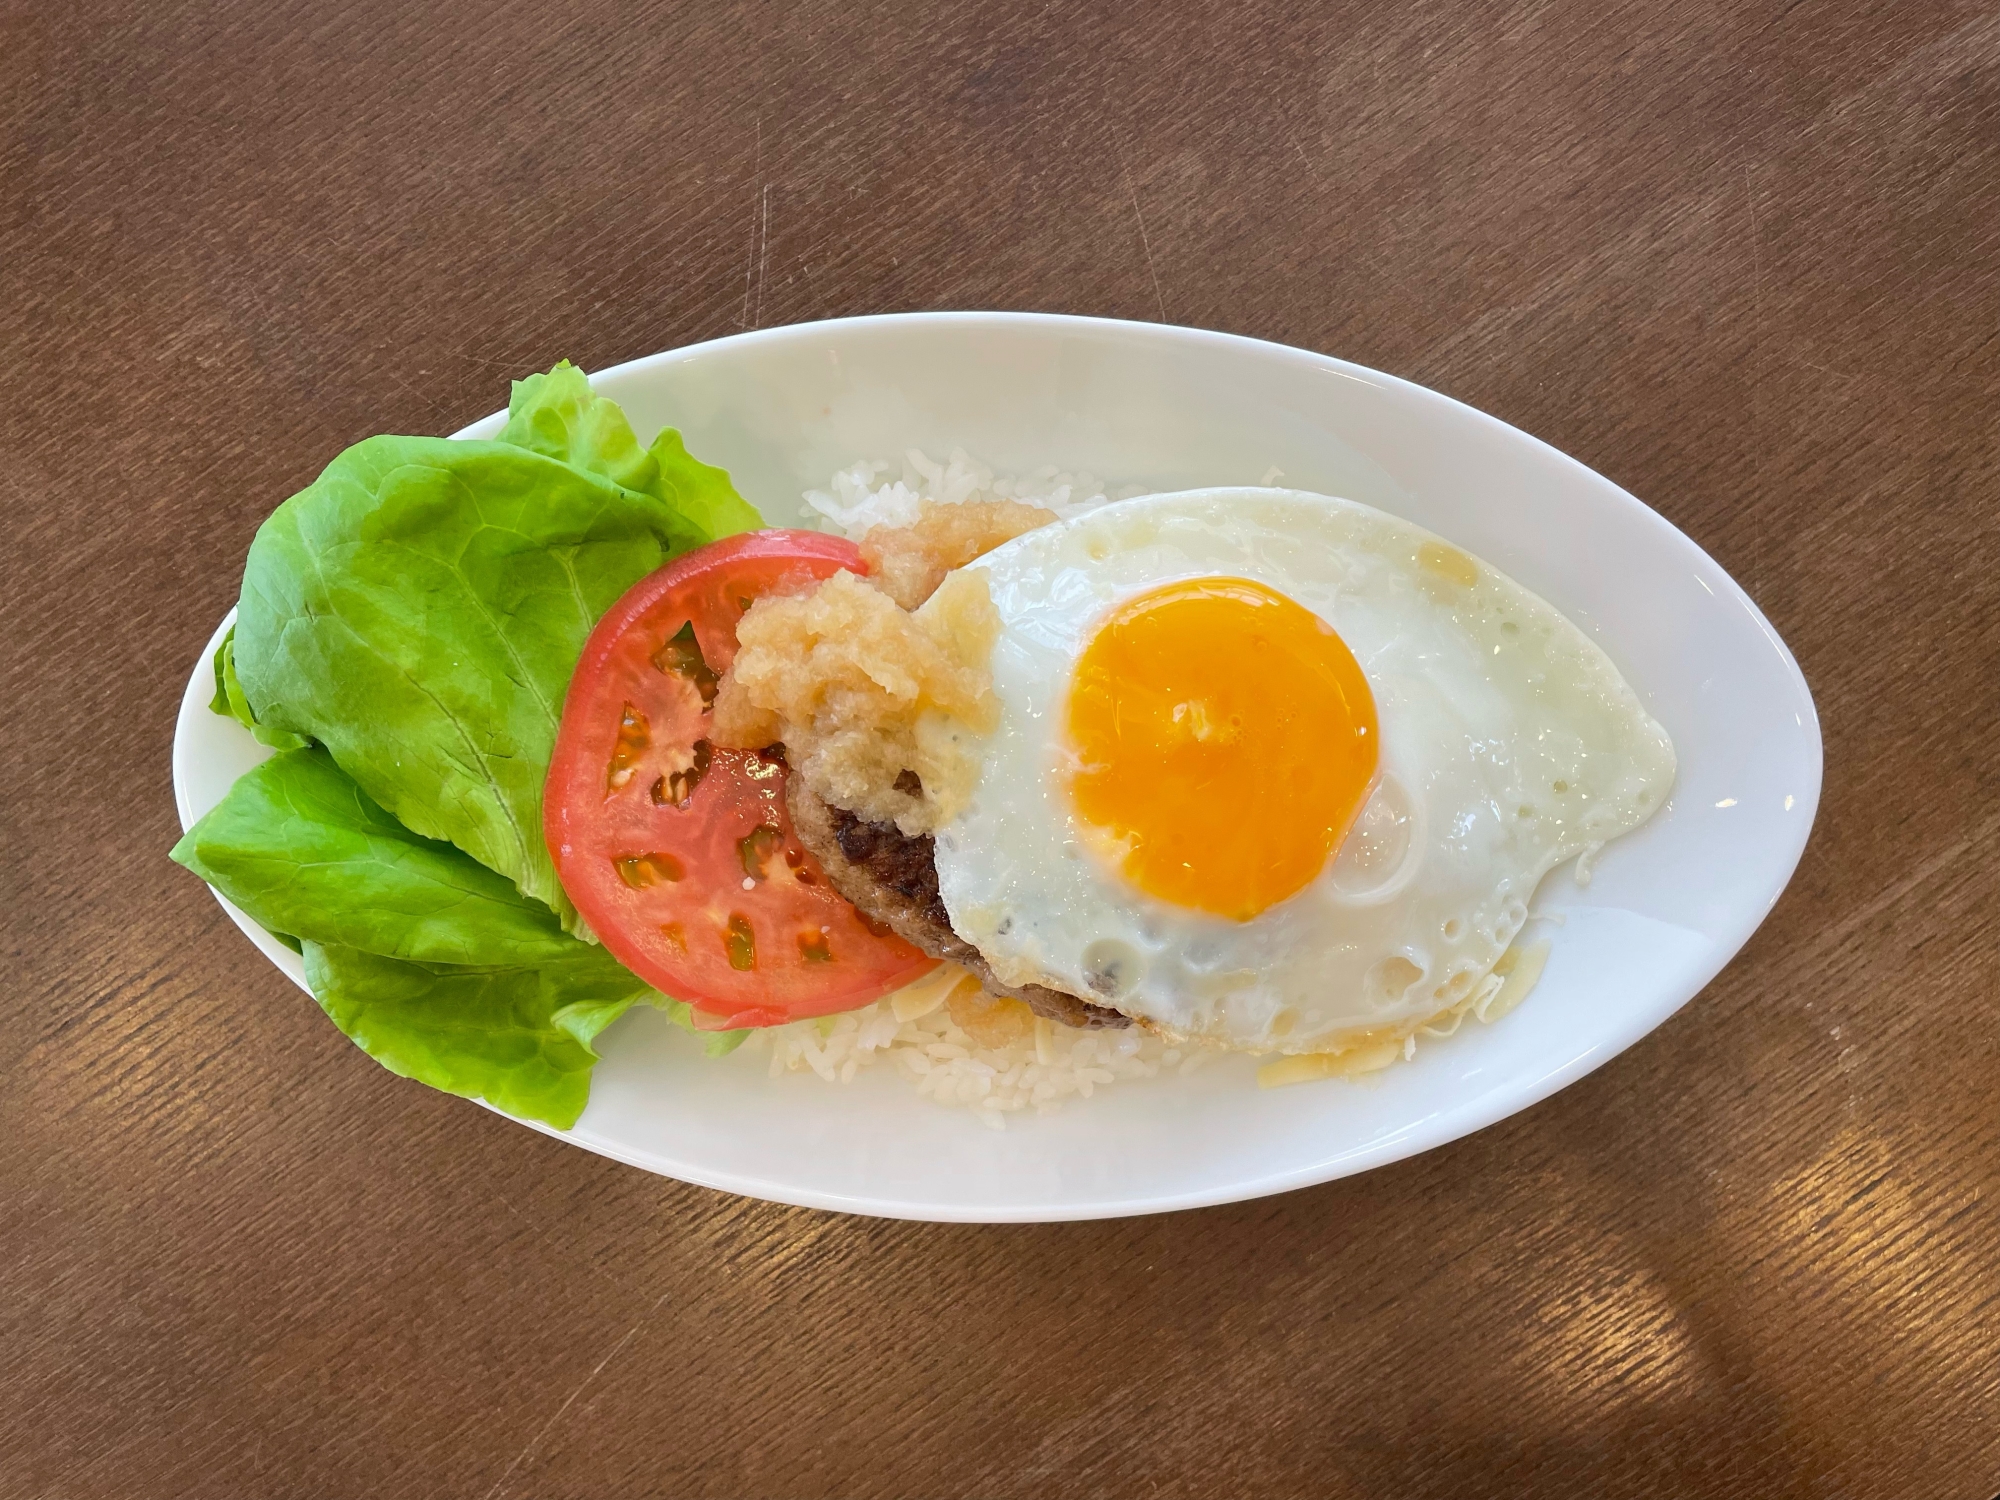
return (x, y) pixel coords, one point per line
(1509, 744)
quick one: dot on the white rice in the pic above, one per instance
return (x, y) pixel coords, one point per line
(860, 496)
(948, 1066)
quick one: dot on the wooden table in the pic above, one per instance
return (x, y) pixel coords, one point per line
(1740, 258)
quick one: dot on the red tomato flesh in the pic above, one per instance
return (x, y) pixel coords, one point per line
(679, 854)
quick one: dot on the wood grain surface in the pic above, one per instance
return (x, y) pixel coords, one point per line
(1739, 257)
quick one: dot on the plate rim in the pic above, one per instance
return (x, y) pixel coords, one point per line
(1453, 1124)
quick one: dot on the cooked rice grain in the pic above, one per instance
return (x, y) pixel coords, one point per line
(862, 496)
(949, 1067)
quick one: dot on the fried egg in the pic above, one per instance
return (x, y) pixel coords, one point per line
(1278, 771)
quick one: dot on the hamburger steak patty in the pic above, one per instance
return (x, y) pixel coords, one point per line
(892, 878)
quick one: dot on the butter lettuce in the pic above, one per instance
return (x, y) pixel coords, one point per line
(434, 964)
(714, 1043)
(406, 633)
(519, 1038)
(419, 609)
(231, 704)
(558, 415)
(301, 848)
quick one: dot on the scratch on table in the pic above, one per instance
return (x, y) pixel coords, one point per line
(428, 400)
(500, 1484)
(1057, 1449)
(1756, 314)
(1145, 243)
(763, 257)
(756, 192)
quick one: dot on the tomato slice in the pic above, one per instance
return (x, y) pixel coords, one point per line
(680, 854)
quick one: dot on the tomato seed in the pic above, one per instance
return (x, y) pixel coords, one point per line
(642, 870)
(681, 657)
(674, 790)
(756, 848)
(740, 943)
(633, 736)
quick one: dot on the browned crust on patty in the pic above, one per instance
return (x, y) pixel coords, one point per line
(892, 877)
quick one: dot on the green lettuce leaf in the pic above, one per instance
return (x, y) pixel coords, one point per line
(721, 1043)
(558, 415)
(433, 963)
(419, 609)
(305, 851)
(231, 704)
(519, 1038)
(224, 664)
(713, 1043)
(417, 612)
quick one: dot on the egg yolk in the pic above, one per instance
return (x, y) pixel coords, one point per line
(1225, 740)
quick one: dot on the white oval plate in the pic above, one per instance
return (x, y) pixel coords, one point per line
(1174, 408)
